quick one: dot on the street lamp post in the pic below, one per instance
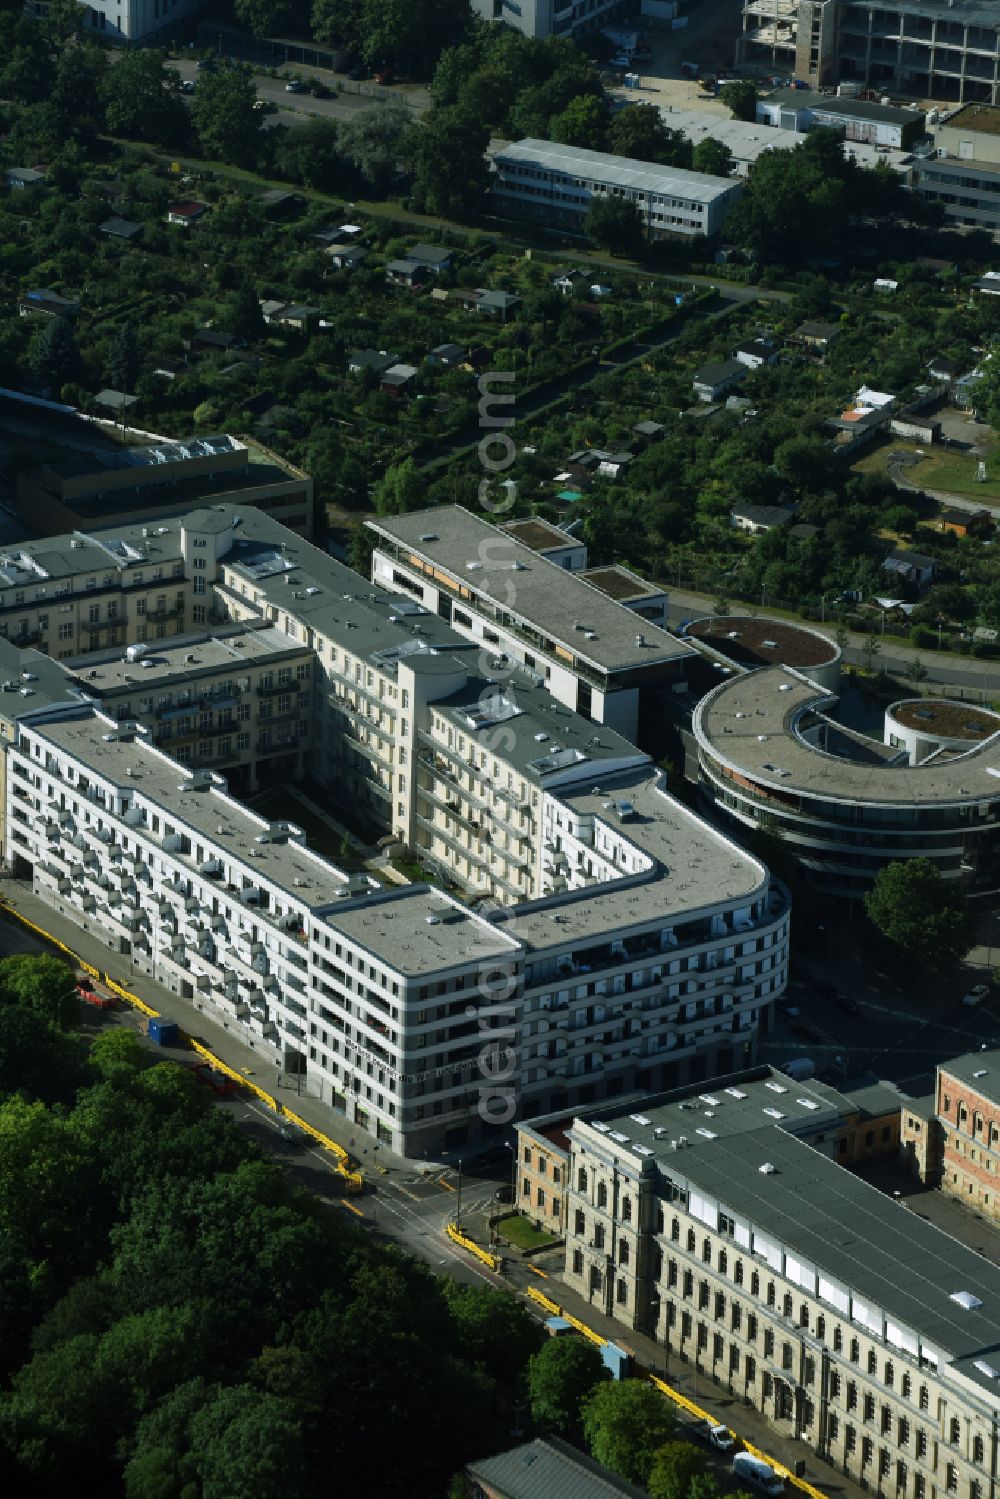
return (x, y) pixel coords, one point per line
(458, 1204)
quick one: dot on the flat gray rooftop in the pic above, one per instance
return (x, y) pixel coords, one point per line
(209, 813)
(529, 587)
(747, 722)
(111, 550)
(573, 161)
(329, 597)
(980, 1070)
(826, 1215)
(420, 930)
(183, 659)
(695, 868)
(542, 738)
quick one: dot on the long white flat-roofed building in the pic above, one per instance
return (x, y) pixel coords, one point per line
(559, 183)
(593, 653)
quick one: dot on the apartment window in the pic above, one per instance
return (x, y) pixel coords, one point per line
(978, 1449)
(754, 1283)
(954, 1431)
(579, 1222)
(885, 1419)
(924, 1400)
(66, 632)
(855, 1350)
(951, 1478)
(581, 1180)
(623, 1251)
(850, 1438)
(905, 1385)
(577, 1262)
(838, 1340)
(919, 1487)
(770, 1293)
(889, 1374)
(872, 1361)
(627, 1210)
(738, 1272)
(602, 1195)
(903, 1432)
(723, 1262)
(786, 1305)
(835, 1384)
(852, 1395)
(920, 1446)
(867, 1451)
(621, 1292)
(868, 1407)
(598, 1236)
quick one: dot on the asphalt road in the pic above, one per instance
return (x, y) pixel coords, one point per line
(294, 108)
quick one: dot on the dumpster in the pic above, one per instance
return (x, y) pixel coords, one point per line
(163, 1032)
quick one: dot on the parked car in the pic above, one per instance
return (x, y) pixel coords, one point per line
(784, 1008)
(187, 86)
(719, 1437)
(204, 65)
(355, 74)
(295, 86)
(319, 89)
(976, 995)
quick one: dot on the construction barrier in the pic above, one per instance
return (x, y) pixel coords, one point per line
(543, 1301)
(353, 1180)
(457, 1237)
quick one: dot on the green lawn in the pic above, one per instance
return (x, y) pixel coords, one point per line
(523, 1235)
(940, 468)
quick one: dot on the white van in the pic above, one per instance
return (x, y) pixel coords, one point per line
(757, 1474)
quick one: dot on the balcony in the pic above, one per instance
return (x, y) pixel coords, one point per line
(275, 689)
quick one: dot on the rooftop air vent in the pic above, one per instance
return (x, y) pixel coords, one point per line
(433, 920)
(767, 1169)
(428, 536)
(640, 640)
(966, 1299)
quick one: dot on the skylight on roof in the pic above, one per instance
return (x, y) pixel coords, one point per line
(773, 1113)
(708, 1098)
(985, 1368)
(616, 1134)
(736, 1093)
(707, 1134)
(601, 1126)
(966, 1299)
(639, 1119)
(808, 1103)
(643, 1150)
(776, 1087)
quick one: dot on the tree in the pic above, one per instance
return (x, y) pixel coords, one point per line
(124, 358)
(871, 649)
(372, 142)
(77, 85)
(740, 95)
(615, 224)
(920, 913)
(142, 99)
(638, 131)
(712, 157)
(446, 153)
(675, 1466)
(584, 123)
(915, 671)
(43, 984)
(804, 462)
(246, 321)
(273, 17)
(310, 154)
(403, 488)
(412, 36)
(226, 118)
(52, 353)
(495, 1332)
(560, 1376)
(246, 1444)
(624, 1423)
(116, 1053)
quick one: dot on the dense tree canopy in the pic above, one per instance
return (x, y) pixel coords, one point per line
(920, 913)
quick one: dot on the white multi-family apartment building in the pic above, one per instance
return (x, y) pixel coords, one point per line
(592, 652)
(641, 948)
(721, 1221)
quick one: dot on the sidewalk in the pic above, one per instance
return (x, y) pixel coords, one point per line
(728, 1409)
(257, 1064)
